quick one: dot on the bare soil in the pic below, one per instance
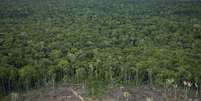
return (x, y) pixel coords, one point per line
(77, 93)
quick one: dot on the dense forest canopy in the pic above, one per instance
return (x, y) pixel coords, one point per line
(112, 41)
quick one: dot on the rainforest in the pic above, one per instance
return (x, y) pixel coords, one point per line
(100, 46)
